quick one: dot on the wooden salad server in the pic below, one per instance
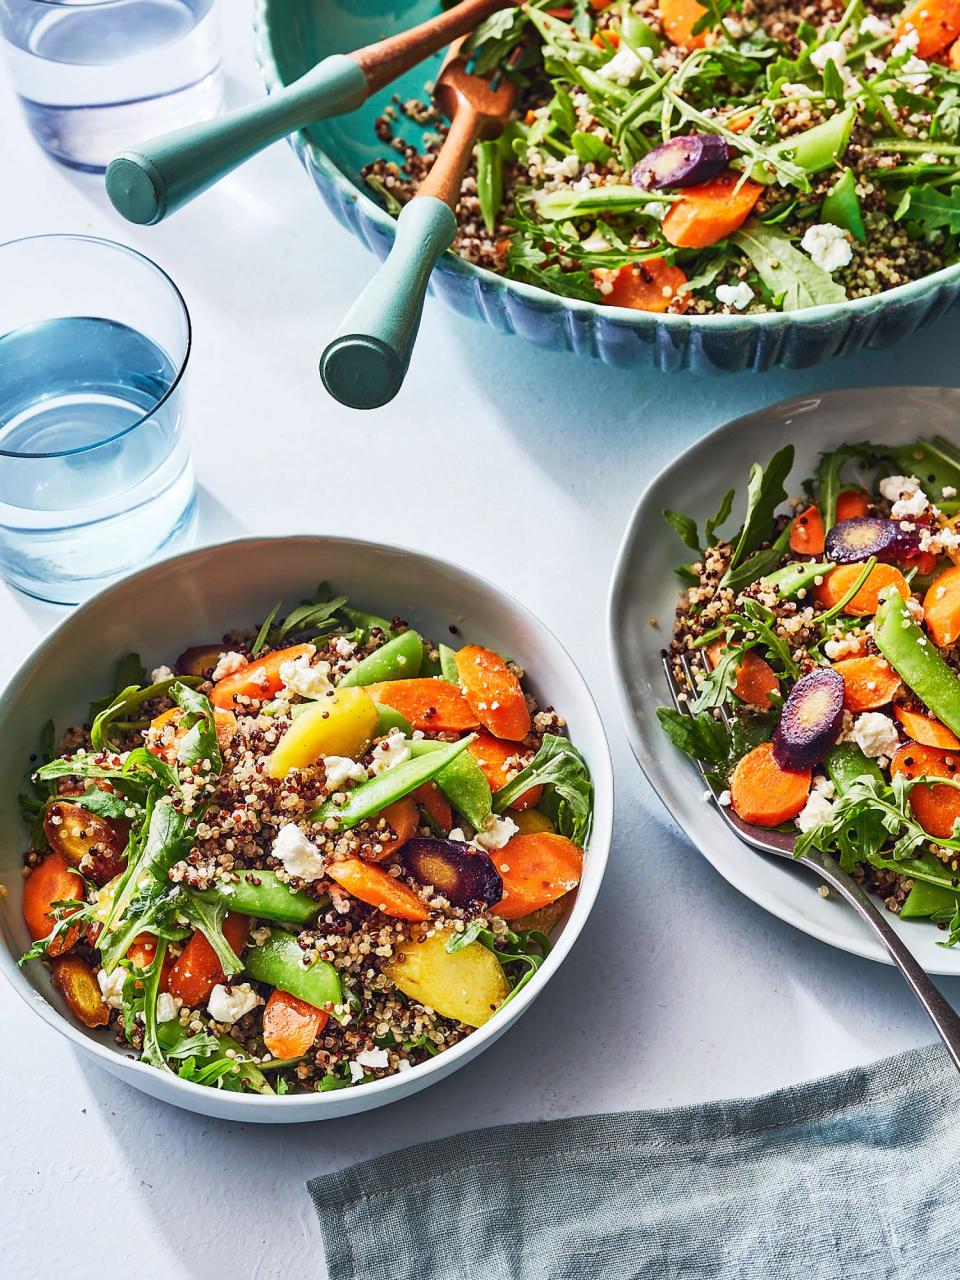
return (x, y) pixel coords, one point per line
(153, 180)
(365, 364)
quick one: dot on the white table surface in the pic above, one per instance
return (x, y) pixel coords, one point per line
(679, 989)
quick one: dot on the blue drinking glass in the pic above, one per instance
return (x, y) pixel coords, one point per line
(95, 470)
(96, 76)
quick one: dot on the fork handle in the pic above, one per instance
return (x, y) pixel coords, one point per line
(941, 1013)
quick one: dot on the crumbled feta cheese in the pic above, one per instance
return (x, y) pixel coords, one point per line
(824, 786)
(340, 769)
(724, 799)
(737, 296)
(457, 834)
(344, 647)
(300, 677)
(815, 812)
(939, 540)
(841, 648)
(111, 986)
(160, 673)
(827, 245)
(873, 26)
(392, 750)
(228, 664)
(909, 42)
(496, 833)
(229, 1004)
(894, 487)
(356, 1072)
(656, 209)
(595, 243)
(300, 856)
(375, 1059)
(166, 1007)
(830, 51)
(623, 67)
(876, 734)
(562, 167)
(948, 491)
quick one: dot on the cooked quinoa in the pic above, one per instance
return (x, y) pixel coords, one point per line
(242, 752)
(817, 657)
(832, 133)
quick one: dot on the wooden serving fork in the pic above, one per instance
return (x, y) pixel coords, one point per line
(154, 179)
(365, 364)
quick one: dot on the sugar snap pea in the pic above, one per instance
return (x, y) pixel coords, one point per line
(796, 577)
(448, 664)
(263, 894)
(462, 782)
(279, 962)
(393, 784)
(398, 659)
(916, 660)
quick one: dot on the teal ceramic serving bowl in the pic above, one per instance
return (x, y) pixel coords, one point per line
(293, 35)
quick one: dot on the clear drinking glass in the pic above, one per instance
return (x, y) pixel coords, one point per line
(95, 472)
(97, 76)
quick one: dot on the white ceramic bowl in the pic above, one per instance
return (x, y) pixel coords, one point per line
(645, 587)
(199, 596)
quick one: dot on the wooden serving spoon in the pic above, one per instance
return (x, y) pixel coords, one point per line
(365, 364)
(154, 179)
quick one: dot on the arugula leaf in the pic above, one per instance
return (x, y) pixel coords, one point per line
(261, 639)
(103, 803)
(829, 471)
(686, 528)
(130, 671)
(32, 802)
(208, 918)
(141, 770)
(765, 492)
(152, 1052)
(700, 735)
(560, 766)
(199, 743)
(930, 208)
(787, 272)
(117, 715)
(165, 837)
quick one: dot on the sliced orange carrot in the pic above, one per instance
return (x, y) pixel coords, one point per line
(77, 983)
(756, 679)
(936, 22)
(50, 881)
(435, 805)
(492, 754)
(290, 1025)
(763, 793)
(868, 682)
(608, 39)
(851, 503)
(166, 748)
(493, 692)
(141, 952)
(536, 870)
(653, 285)
(740, 122)
(839, 581)
(197, 969)
(372, 885)
(935, 808)
(427, 702)
(678, 18)
(404, 818)
(806, 532)
(259, 679)
(710, 212)
(941, 607)
(925, 730)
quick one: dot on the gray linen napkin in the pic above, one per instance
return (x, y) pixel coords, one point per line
(852, 1177)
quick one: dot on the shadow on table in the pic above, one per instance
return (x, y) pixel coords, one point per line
(604, 1035)
(576, 415)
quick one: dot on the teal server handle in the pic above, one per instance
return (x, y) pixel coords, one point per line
(365, 364)
(155, 179)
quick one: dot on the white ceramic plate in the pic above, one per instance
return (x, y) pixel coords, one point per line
(645, 586)
(197, 598)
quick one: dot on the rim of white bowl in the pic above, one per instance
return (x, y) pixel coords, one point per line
(598, 849)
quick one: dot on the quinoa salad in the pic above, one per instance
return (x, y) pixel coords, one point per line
(825, 651)
(310, 856)
(737, 156)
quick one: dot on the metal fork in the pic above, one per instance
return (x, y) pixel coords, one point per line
(782, 845)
